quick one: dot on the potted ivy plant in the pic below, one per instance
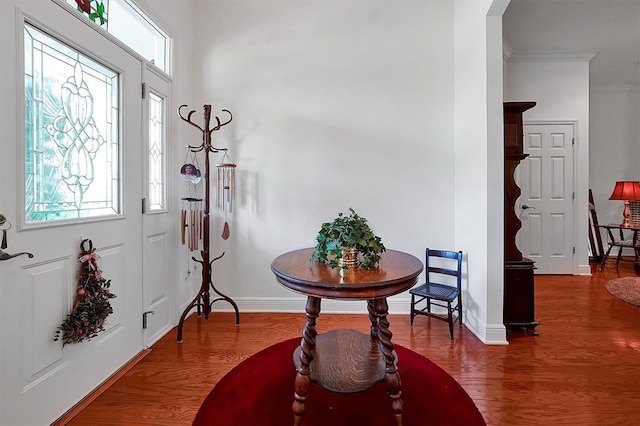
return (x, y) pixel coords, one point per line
(344, 235)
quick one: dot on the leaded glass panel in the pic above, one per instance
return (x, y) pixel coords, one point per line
(156, 155)
(72, 141)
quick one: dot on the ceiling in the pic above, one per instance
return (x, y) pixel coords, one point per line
(609, 27)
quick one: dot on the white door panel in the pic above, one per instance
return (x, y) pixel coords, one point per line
(39, 378)
(546, 205)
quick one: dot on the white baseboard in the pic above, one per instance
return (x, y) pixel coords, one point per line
(584, 270)
(489, 334)
(494, 334)
(297, 304)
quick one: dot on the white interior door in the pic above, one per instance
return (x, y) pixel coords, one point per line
(546, 205)
(157, 316)
(39, 378)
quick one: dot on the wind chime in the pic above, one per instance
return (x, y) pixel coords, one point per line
(195, 214)
(226, 189)
(191, 213)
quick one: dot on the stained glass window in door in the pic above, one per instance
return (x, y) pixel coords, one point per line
(72, 140)
(156, 158)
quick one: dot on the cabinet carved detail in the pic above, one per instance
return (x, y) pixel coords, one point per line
(513, 154)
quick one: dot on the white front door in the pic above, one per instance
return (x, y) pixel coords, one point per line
(546, 207)
(85, 132)
(157, 315)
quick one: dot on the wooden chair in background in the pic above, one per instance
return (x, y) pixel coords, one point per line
(443, 287)
(595, 238)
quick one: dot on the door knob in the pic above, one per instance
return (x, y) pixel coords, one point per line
(525, 207)
(5, 225)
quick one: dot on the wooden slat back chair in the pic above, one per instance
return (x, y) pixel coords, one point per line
(443, 287)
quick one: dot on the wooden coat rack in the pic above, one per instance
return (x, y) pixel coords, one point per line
(203, 298)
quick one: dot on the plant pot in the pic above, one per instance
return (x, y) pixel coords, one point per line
(349, 258)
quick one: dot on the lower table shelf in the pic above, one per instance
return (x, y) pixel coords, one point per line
(345, 361)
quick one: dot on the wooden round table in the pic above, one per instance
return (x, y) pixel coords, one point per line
(346, 360)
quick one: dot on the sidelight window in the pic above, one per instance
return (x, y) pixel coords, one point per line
(156, 153)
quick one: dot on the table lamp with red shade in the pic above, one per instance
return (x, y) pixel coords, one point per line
(626, 191)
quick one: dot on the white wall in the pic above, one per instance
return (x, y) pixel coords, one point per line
(480, 161)
(615, 145)
(344, 105)
(561, 89)
(351, 105)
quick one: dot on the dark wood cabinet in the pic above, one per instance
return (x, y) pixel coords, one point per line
(519, 301)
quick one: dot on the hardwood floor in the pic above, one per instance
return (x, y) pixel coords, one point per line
(582, 369)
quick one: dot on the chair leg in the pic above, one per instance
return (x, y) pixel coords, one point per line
(449, 310)
(619, 256)
(605, 258)
(412, 309)
(460, 309)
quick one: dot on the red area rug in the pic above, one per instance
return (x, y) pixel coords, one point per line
(259, 392)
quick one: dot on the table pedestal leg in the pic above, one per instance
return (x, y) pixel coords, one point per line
(391, 376)
(373, 318)
(307, 345)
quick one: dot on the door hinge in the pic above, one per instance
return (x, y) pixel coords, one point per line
(573, 141)
(144, 90)
(144, 205)
(574, 250)
(573, 195)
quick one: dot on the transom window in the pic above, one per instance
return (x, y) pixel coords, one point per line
(72, 142)
(125, 21)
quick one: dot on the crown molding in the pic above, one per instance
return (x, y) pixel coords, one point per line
(507, 51)
(552, 56)
(619, 88)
